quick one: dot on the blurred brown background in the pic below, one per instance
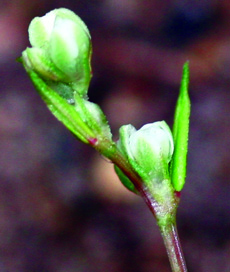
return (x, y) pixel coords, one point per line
(62, 209)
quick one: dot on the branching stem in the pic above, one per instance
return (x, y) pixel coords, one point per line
(167, 226)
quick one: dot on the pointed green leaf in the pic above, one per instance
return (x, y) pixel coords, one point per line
(64, 112)
(180, 133)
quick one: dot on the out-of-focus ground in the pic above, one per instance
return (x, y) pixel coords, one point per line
(62, 209)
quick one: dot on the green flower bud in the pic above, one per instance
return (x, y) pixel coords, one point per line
(61, 50)
(149, 149)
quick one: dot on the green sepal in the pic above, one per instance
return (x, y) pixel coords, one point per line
(180, 133)
(125, 180)
(35, 58)
(93, 116)
(64, 112)
(123, 145)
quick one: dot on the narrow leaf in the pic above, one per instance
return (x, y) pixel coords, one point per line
(180, 133)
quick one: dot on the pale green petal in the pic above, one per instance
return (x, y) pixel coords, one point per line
(63, 46)
(68, 14)
(40, 29)
(159, 138)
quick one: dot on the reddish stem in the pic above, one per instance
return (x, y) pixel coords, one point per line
(173, 247)
(169, 234)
